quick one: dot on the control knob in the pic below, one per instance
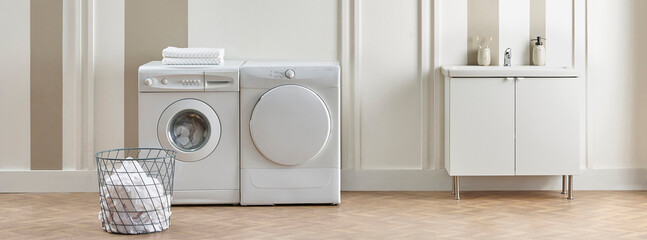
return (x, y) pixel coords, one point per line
(148, 81)
(289, 73)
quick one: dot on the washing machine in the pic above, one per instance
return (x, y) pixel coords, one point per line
(290, 133)
(194, 110)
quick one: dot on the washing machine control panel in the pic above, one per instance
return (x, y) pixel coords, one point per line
(172, 82)
(288, 73)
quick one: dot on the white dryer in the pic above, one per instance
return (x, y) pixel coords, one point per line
(290, 137)
(194, 110)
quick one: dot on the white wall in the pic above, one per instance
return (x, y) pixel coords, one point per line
(617, 83)
(513, 27)
(257, 29)
(559, 33)
(14, 85)
(616, 114)
(514, 23)
(390, 87)
(514, 30)
(390, 52)
(387, 122)
(108, 74)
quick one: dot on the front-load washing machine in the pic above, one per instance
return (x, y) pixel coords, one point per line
(194, 110)
(290, 143)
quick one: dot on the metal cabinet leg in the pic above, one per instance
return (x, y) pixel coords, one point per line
(564, 181)
(570, 187)
(457, 188)
(453, 185)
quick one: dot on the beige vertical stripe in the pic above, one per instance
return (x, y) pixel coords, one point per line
(46, 87)
(537, 21)
(482, 22)
(151, 25)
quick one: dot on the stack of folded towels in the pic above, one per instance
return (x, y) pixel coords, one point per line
(193, 56)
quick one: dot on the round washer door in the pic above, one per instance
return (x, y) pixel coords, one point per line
(190, 127)
(290, 125)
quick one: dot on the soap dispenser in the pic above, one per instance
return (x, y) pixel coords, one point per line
(539, 52)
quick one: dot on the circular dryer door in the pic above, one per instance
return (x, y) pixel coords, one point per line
(290, 125)
(190, 127)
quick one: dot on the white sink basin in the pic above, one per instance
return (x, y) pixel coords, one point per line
(514, 71)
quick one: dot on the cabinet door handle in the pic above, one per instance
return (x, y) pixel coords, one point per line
(509, 78)
(520, 78)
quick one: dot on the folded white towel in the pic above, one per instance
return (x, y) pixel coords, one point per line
(192, 61)
(193, 52)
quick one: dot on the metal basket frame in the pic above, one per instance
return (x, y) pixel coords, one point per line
(157, 163)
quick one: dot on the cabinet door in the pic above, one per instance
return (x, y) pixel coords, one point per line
(548, 125)
(481, 126)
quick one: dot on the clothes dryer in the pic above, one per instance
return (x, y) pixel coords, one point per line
(290, 132)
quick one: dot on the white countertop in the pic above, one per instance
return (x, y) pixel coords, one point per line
(513, 71)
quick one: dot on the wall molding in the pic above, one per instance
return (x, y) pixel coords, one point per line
(87, 68)
(48, 181)
(439, 180)
(356, 92)
(361, 180)
(425, 75)
(73, 83)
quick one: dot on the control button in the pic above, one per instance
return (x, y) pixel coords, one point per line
(289, 73)
(164, 81)
(184, 81)
(148, 81)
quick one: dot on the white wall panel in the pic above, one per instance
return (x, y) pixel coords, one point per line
(389, 96)
(559, 33)
(453, 32)
(391, 128)
(617, 85)
(514, 30)
(108, 74)
(579, 63)
(258, 29)
(14, 85)
(72, 86)
(451, 42)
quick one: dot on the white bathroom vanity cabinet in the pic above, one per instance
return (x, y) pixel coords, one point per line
(512, 121)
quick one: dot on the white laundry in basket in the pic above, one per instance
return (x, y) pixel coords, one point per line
(134, 202)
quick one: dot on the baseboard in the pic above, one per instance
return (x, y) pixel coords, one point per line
(360, 180)
(48, 181)
(438, 180)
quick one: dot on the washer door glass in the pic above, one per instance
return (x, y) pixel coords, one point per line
(190, 127)
(290, 125)
(189, 130)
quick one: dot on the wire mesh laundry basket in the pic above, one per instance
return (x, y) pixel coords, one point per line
(135, 189)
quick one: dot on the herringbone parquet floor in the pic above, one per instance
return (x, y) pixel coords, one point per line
(362, 215)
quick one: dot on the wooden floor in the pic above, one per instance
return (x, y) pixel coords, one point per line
(362, 215)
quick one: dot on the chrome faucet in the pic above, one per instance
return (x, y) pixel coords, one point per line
(507, 57)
